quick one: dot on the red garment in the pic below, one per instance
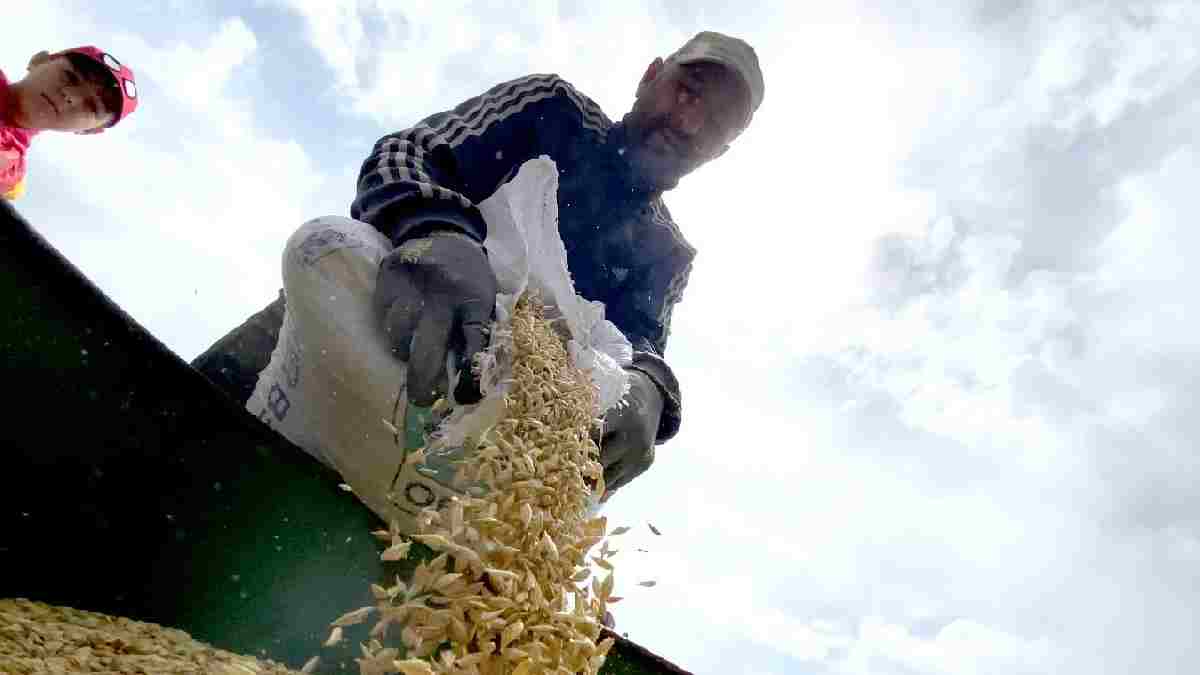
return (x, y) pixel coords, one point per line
(14, 142)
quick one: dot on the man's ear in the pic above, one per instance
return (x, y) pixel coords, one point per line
(652, 72)
(38, 59)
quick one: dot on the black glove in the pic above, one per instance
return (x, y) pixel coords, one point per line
(435, 294)
(629, 432)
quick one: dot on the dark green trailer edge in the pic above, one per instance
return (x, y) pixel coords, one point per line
(135, 487)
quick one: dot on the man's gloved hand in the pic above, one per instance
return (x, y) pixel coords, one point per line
(629, 431)
(434, 294)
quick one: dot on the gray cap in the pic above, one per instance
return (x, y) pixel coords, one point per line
(731, 52)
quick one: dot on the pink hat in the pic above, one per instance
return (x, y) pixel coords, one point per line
(121, 74)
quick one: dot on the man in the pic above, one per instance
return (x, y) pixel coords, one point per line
(83, 90)
(419, 188)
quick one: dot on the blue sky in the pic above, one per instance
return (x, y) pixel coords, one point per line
(937, 350)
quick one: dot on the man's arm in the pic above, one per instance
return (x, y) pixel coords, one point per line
(649, 299)
(431, 176)
(652, 411)
(436, 292)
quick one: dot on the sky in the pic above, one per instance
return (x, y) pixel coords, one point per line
(933, 352)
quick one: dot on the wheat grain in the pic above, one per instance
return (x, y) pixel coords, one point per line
(40, 638)
(502, 591)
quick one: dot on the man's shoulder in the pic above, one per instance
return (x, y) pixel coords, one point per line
(585, 102)
(539, 86)
(661, 220)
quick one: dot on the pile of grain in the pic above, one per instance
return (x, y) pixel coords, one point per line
(40, 638)
(504, 595)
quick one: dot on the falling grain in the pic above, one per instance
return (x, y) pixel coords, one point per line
(502, 593)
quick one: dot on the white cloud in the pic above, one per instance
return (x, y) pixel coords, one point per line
(993, 366)
(189, 191)
(333, 30)
(399, 61)
(962, 646)
(1148, 50)
(196, 77)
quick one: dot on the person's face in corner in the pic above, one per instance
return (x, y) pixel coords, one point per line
(684, 116)
(54, 96)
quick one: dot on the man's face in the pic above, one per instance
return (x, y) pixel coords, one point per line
(54, 96)
(684, 116)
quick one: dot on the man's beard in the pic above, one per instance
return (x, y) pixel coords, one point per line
(657, 161)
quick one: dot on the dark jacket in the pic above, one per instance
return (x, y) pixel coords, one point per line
(623, 248)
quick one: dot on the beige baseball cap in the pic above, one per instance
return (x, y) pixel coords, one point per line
(731, 52)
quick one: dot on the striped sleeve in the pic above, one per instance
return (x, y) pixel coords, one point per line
(645, 303)
(434, 173)
(648, 298)
(653, 296)
(660, 289)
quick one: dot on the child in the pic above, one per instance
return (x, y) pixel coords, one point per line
(83, 90)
